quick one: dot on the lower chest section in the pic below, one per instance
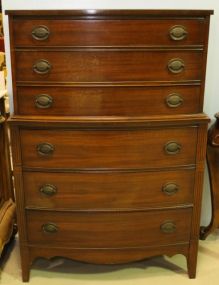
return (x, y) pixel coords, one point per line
(108, 187)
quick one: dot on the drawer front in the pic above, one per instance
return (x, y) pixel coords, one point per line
(45, 32)
(109, 148)
(108, 101)
(108, 190)
(108, 66)
(109, 229)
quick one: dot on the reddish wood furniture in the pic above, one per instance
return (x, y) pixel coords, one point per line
(108, 133)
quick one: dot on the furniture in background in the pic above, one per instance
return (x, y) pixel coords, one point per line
(213, 169)
(108, 133)
(7, 205)
(2, 47)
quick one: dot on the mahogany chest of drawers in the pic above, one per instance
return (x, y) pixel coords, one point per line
(108, 133)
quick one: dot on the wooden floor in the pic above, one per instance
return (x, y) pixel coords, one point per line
(165, 271)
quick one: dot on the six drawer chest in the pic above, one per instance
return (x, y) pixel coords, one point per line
(108, 133)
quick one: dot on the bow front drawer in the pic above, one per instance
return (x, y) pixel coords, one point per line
(109, 149)
(108, 66)
(45, 32)
(109, 229)
(108, 190)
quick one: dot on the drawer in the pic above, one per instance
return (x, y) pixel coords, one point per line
(108, 101)
(108, 190)
(108, 66)
(46, 32)
(109, 229)
(109, 148)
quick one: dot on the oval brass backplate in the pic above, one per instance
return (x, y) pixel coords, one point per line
(176, 65)
(170, 188)
(40, 33)
(174, 100)
(178, 33)
(42, 66)
(172, 147)
(43, 101)
(50, 228)
(168, 227)
(48, 189)
(45, 149)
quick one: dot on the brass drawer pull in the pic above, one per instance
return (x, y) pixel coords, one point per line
(50, 228)
(172, 147)
(42, 66)
(45, 149)
(40, 33)
(174, 100)
(176, 65)
(168, 227)
(43, 101)
(170, 188)
(48, 189)
(178, 33)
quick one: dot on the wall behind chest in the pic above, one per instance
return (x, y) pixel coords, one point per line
(211, 103)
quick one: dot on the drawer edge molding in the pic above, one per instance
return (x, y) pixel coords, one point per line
(103, 121)
(113, 210)
(185, 13)
(110, 84)
(106, 170)
(156, 48)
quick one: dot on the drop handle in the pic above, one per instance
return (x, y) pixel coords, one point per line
(40, 33)
(48, 190)
(178, 33)
(50, 228)
(42, 66)
(168, 227)
(43, 101)
(174, 100)
(172, 147)
(170, 188)
(45, 149)
(176, 65)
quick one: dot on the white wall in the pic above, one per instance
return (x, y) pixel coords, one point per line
(211, 104)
